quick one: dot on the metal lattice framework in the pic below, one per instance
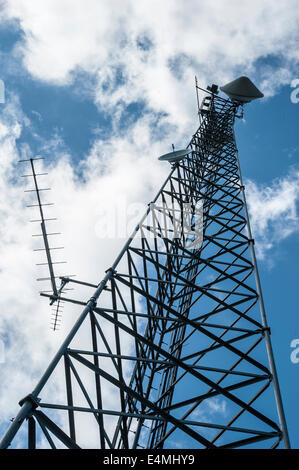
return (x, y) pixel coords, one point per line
(173, 347)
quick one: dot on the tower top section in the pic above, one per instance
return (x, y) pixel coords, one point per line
(242, 90)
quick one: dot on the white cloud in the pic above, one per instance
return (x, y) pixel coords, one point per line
(273, 212)
(214, 40)
(209, 408)
(272, 80)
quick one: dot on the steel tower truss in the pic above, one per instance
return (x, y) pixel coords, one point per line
(173, 348)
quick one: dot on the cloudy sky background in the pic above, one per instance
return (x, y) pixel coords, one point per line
(100, 89)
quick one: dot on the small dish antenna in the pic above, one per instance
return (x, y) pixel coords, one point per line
(175, 156)
(242, 90)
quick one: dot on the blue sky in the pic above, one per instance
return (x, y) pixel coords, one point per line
(101, 92)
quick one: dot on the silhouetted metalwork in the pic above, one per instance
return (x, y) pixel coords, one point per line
(172, 347)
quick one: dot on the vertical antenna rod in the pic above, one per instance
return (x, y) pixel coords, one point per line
(44, 232)
(197, 98)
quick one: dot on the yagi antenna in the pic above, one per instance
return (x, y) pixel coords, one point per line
(43, 228)
(55, 292)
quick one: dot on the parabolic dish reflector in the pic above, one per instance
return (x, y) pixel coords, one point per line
(175, 156)
(242, 89)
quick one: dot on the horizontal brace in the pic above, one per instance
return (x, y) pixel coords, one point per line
(39, 205)
(136, 314)
(53, 248)
(161, 281)
(166, 364)
(116, 356)
(35, 190)
(30, 159)
(48, 234)
(226, 327)
(53, 262)
(36, 174)
(45, 220)
(165, 253)
(48, 278)
(66, 278)
(158, 418)
(44, 294)
(65, 299)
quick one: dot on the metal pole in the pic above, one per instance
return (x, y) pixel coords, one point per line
(277, 393)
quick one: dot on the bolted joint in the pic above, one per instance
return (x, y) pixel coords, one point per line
(92, 303)
(266, 328)
(32, 399)
(251, 241)
(111, 270)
